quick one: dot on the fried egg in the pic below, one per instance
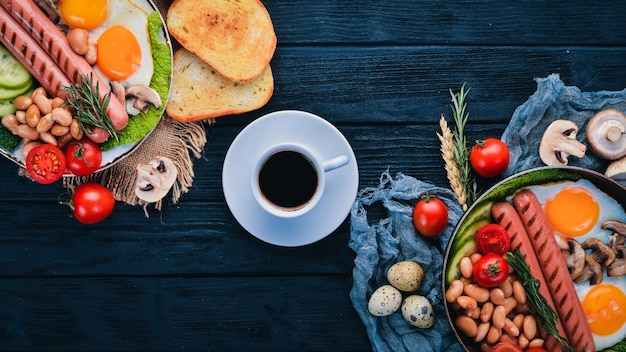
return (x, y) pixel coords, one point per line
(577, 210)
(123, 43)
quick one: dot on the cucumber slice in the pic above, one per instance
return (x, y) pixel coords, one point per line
(7, 107)
(10, 93)
(12, 73)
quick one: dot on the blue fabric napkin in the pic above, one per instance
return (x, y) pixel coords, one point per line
(383, 239)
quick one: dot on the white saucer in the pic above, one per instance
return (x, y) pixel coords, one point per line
(282, 127)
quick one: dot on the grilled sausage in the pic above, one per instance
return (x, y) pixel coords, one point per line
(555, 271)
(52, 41)
(30, 54)
(506, 215)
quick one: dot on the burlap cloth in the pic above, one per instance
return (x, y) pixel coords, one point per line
(178, 141)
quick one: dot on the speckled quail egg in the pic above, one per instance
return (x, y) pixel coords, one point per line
(406, 276)
(418, 311)
(384, 301)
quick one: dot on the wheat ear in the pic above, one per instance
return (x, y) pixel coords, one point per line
(447, 152)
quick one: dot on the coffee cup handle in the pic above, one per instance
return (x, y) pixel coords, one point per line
(335, 163)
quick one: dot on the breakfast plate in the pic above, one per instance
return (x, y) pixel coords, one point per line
(305, 129)
(154, 71)
(566, 195)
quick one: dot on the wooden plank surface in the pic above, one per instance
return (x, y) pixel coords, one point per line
(190, 278)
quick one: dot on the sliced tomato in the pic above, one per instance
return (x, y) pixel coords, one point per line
(493, 238)
(45, 163)
(506, 347)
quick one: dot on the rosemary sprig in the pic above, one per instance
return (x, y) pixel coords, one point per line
(542, 309)
(84, 98)
(461, 149)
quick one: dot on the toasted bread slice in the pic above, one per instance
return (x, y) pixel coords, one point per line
(236, 38)
(199, 92)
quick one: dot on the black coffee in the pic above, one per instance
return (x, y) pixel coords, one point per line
(288, 179)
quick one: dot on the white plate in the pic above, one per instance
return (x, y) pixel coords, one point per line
(119, 152)
(282, 127)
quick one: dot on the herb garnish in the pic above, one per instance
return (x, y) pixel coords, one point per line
(542, 309)
(84, 98)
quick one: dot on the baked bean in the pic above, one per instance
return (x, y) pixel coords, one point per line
(58, 130)
(27, 147)
(466, 302)
(507, 287)
(21, 116)
(518, 320)
(22, 102)
(481, 331)
(493, 336)
(473, 313)
(522, 341)
(519, 292)
(509, 304)
(485, 347)
(32, 115)
(486, 312)
(26, 131)
(522, 308)
(510, 328)
(47, 137)
(10, 122)
(467, 325)
(61, 116)
(498, 317)
(43, 103)
(37, 91)
(466, 267)
(77, 38)
(497, 296)
(454, 291)
(475, 257)
(530, 327)
(480, 294)
(45, 123)
(508, 338)
(56, 102)
(63, 141)
(77, 133)
(535, 343)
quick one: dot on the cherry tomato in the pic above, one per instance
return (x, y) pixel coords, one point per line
(506, 347)
(83, 157)
(493, 238)
(536, 349)
(489, 157)
(430, 216)
(490, 270)
(92, 203)
(45, 163)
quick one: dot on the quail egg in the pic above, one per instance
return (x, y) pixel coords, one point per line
(406, 276)
(384, 301)
(418, 311)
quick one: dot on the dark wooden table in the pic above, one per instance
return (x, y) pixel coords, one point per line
(190, 278)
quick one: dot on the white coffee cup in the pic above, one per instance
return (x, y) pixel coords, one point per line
(288, 179)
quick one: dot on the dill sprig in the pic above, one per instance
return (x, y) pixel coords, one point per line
(542, 309)
(84, 98)
(461, 149)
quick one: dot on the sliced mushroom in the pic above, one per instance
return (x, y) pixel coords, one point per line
(602, 253)
(592, 272)
(559, 142)
(615, 226)
(616, 169)
(605, 134)
(119, 91)
(575, 258)
(618, 267)
(145, 96)
(155, 179)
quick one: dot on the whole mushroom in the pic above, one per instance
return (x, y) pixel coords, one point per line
(605, 134)
(155, 179)
(559, 142)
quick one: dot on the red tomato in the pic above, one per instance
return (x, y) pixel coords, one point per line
(490, 270)
(430, 216)
(92, 203)
(83, 157)
(536, 349)
(490, 157)
(45, 163)
(493, 238)
(506, 347)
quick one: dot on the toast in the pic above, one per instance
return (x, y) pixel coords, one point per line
(199, 92)
(236, 38)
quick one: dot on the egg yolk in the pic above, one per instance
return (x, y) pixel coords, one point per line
(86, 14)
(573, 211)
(119, 54)
(605, 308)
